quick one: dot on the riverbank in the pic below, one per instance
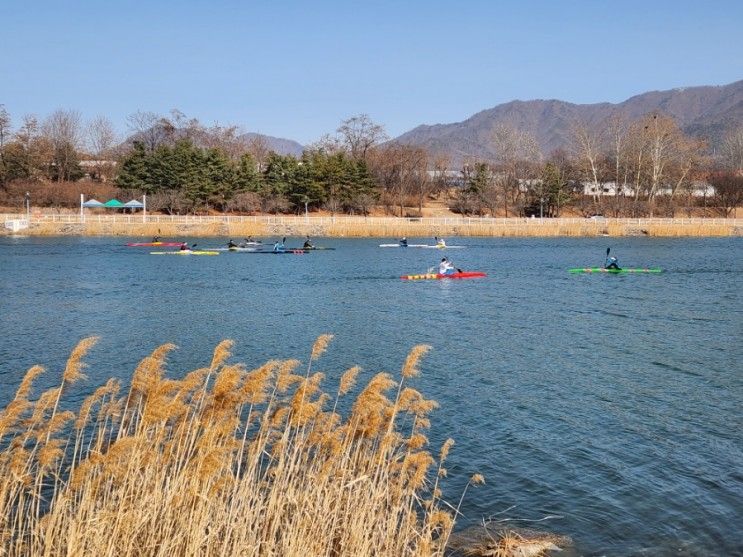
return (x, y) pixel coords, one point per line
(350, 226)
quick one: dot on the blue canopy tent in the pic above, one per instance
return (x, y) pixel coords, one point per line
(113, 204)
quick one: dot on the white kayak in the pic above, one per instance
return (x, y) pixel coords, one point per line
(420, 246)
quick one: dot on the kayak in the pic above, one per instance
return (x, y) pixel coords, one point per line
(153, 244)
(311, 249)
(185, 252)
(436, 276)
(287, 252)
(238, 249)
(615, 271)
(422, 246)
(401, 246)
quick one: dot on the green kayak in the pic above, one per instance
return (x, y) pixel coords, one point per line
(615, 271)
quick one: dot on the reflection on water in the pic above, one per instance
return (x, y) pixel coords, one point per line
(610, 401)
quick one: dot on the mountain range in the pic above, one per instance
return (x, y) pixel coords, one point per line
(276, 144)
(707, 112)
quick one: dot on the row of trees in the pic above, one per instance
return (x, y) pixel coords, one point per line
(632, 168)
(52, 149)
(621, 167)
(186, 177)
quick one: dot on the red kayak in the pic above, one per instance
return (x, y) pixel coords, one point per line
(429, 276)
(153, 244)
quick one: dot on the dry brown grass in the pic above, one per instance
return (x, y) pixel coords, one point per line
(225, 461)
(389, 228)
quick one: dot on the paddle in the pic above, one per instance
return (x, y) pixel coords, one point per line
(607, 256)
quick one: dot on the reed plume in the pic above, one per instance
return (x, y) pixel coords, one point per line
(255, 464)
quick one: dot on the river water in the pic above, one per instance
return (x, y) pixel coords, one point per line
(605, 407)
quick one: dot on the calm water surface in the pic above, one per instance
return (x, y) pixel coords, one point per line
(611, 402)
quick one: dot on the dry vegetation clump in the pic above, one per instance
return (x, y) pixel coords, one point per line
(225, 461)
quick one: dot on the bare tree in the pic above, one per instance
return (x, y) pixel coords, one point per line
(401, 172)
(145, 126)
(63, 130)
(516, 152)
(38, 152)
(728, 191)
(225, 138)
(259, 149)
(617, 130)
(359, 134)
(732, 150)
(101, 137)
(64, 127)
(327, 144)
(4, 126)
(588, 146)
(440, 182)
(101, 141)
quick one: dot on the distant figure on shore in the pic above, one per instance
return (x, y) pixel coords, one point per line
(403, 242)
(446, 267)
(440, 243)
(231, 244)
(279, 246)
(308, 244)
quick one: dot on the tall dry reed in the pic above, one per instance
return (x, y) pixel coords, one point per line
(225, 461)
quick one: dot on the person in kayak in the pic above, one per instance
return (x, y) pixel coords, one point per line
(440, 243)
(184, 247)
(612, 263)
(155, 239)
(307, 244)
(279, 246)
(446, 267)
(403, 242)
(231, 244)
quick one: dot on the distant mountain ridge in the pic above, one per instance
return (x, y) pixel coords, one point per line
(278, 145)
(707, 112)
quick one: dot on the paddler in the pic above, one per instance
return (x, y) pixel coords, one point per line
(440, 243)
(279, 246)
(307, 244)
(446, 267)
(184, 247)
(403, 242)
(155, 239)
(231, 244)
(612, 263)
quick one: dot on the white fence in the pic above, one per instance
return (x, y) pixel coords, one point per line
(345, 219)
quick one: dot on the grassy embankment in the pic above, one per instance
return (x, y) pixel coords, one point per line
(391, 229)
(224, 461)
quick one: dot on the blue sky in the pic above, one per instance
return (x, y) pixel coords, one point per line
(296, 69)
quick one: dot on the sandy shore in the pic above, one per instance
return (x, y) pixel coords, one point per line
(240, 227)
